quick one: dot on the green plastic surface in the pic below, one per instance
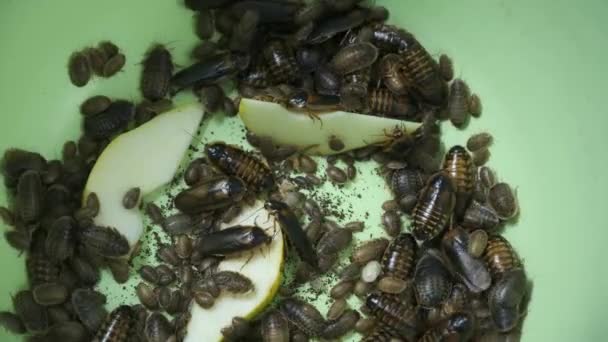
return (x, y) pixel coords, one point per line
(537, 65)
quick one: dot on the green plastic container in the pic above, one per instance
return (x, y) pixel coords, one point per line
(537, 65)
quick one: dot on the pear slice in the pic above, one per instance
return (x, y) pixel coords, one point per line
(313, 135)
(146, 157)
(263, 267)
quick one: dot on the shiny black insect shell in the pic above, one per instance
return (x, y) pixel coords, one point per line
(210, 71)
(111, 121)
(391, 68)
(354, 90)
(79, 69)
(331, 26)
(157, 328)
(114, 65)
(469, 270)
(95, 104)
(236, 162)
(392, 312)
(157, 71)
(117, 326)
(391, 38)
(434, 207)
(505, 298)
(458, 327)
(216, 193)
(29, 200)
(480, 216)
(398, 259)
(424, 71)
(105, 241)
(432, 281)
(275, 327)
(304, 316)
(281, 62)
(16, 161)
(232, 240)
(293, 229)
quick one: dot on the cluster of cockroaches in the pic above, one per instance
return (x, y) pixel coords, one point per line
(452, 277)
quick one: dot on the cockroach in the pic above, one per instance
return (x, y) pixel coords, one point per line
(149, 274)
(432, 282)
(131, 198)
(88, 307)
(236, 162)
(481, 157)
(459, 326)
(245, 32)
(232, 240)
(7, 216)
(310, 59)
(458, 165)
(369, 250)
(215, 193)
(16, 161)
(458, 102)
(281, 62)
(183, 246)
(79, 69)
(362, 288)
(334, 241)
(204, 27)
(365, 325)
(157, 71)
(391, 221)
(390, 38)
(382, 101)
(178, 224)
(425, 74)
(256, 76)
(341, 326)
(166, 275)
(110, 49)
(392, 285)
(337, 309)
(53, 172)
(503, 200)
(105, 241)
(391, 67)
(87, 272)
(117, 326)
(434, 208)
(95, 105)
(331, 26)
(500, 256)
(406, 181)
(29, 199)
(50, 294)
(210, 71)
(12, 323)
(479, 141)
(293, 229)
(233, 282)
(212, 97)
(111, 121)
(505, 299)
(270, 12)
(114, 65)
(354, 90)
(475, 106)
(481, 216)
(19, 240)
(486, 177)
(306, 164)
(446, 67)
(275, 327)
(230, 107)
(478, 241)
(393, 313)
(97, 59)
(41, 269)
(204, 299)
(342, 289)
(336, 174)
(119, 269)
(469, 270)
(398, 258)
(157, 328)
(33, 315)
(354, 57)
(304, 316)
(381, 333)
